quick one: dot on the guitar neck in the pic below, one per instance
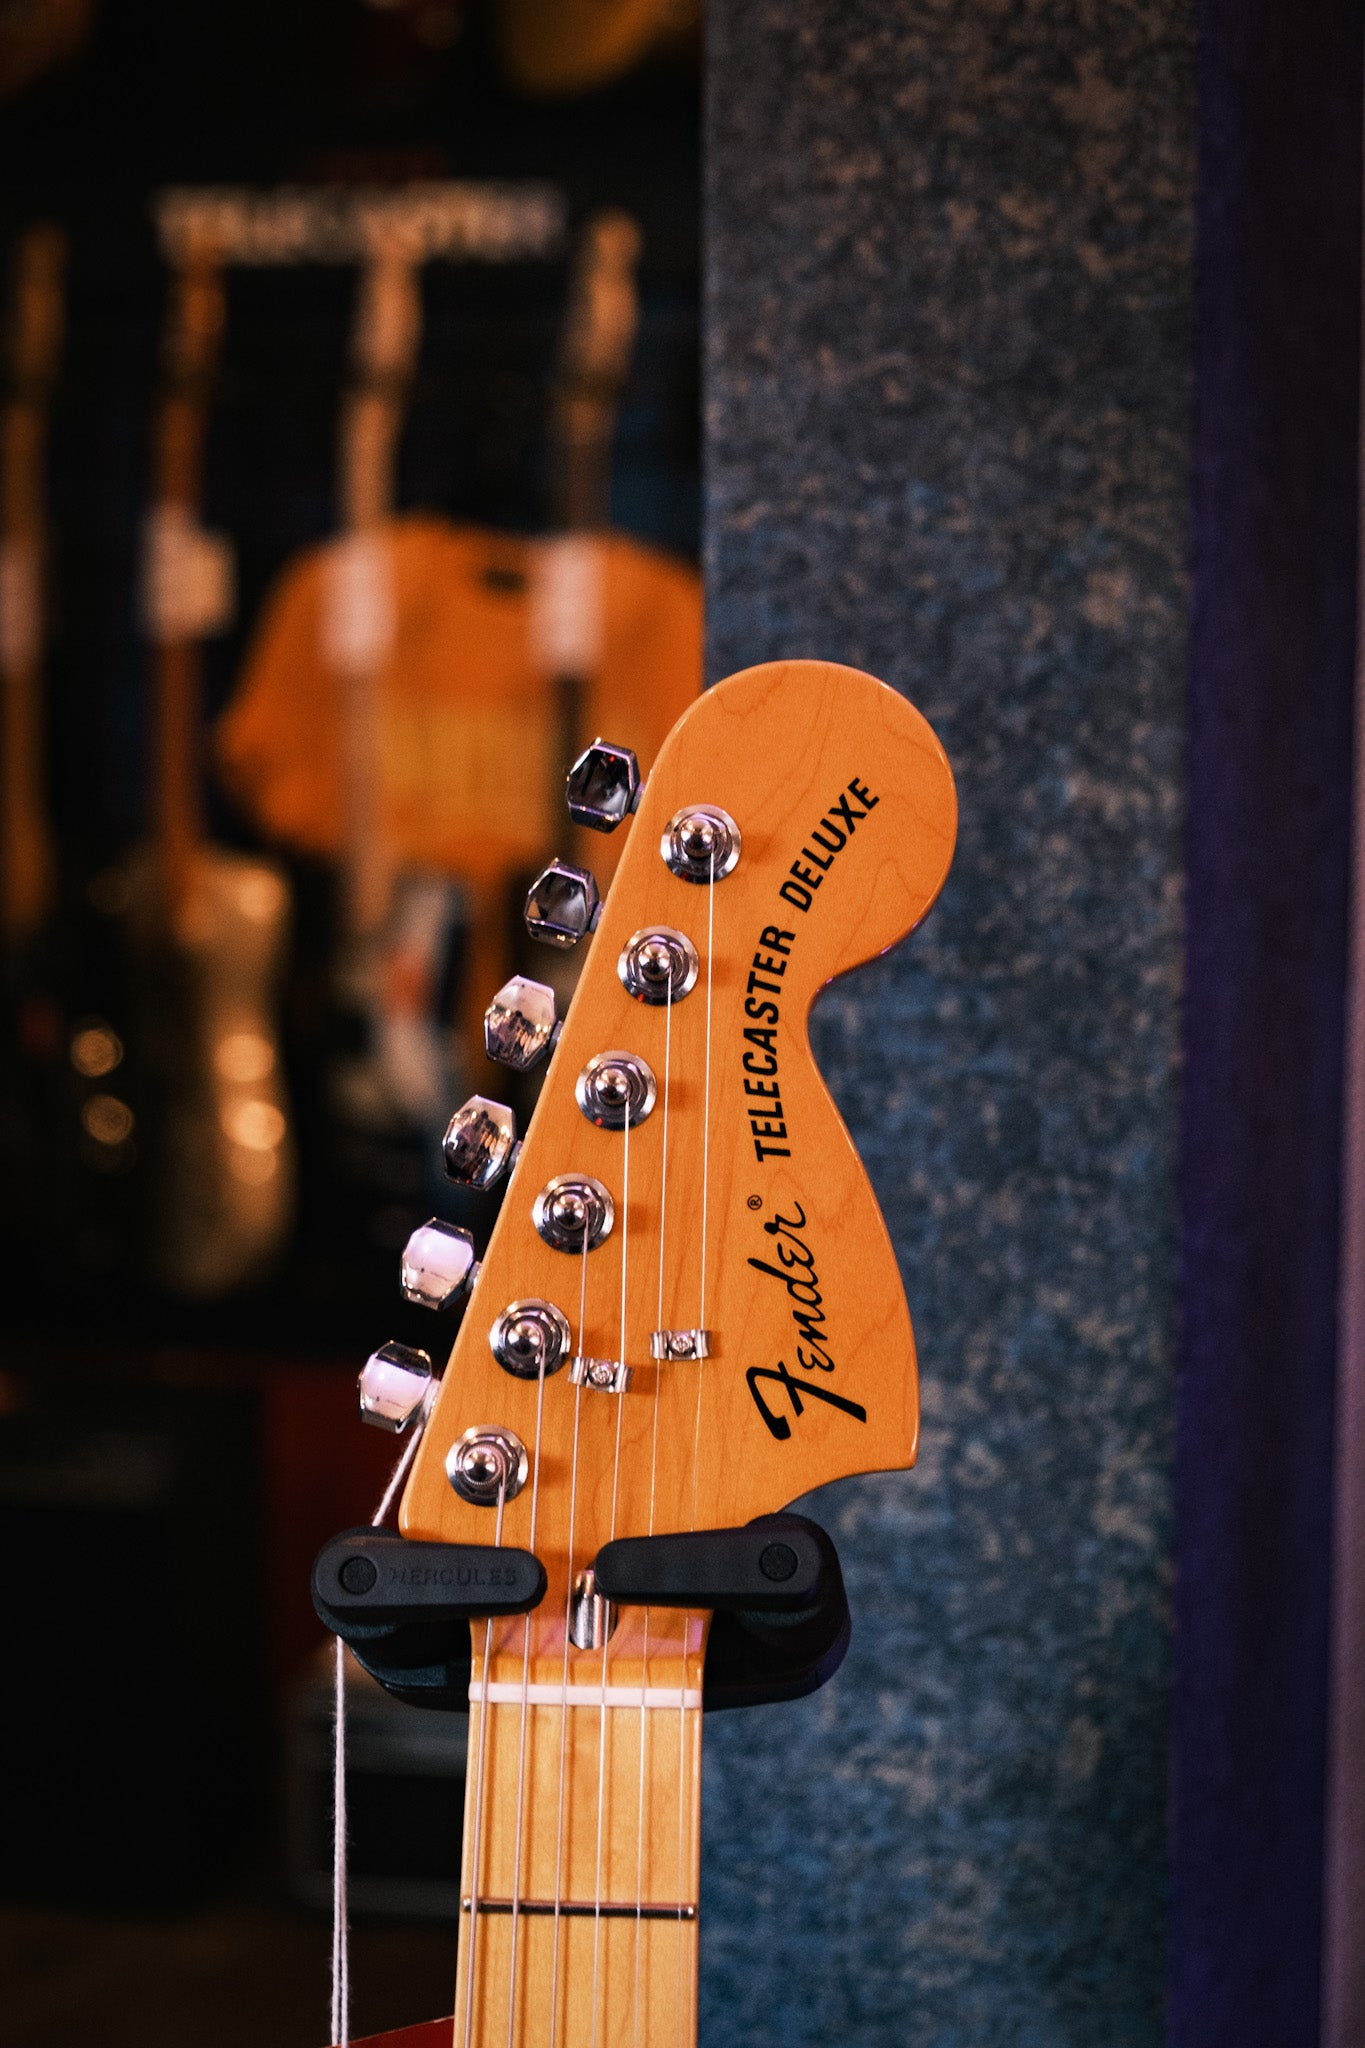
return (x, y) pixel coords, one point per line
(578, 1923)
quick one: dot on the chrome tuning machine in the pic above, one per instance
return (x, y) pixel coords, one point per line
(563, 905)
(438, 1264)
(487, 1464)
(519, 1025)
(616, 1088)
(658, 965)
(702, 844)
(480, 1143)
(396, 1386)
(573, 1213)
(530, 1338)
(603, 786)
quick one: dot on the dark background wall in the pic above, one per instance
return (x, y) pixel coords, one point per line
(949, 254)
(1273, 683)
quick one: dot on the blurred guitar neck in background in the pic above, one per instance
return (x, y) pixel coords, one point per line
(209, 924)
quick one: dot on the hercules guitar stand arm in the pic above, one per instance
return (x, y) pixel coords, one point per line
(781, 1621)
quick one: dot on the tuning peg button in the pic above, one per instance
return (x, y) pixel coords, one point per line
(563, 906)
(603, 786)
(519, 1024)
(395, 1385)
(438, 1264)
(479, 1142)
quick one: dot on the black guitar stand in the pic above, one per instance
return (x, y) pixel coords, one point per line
(780, 1628)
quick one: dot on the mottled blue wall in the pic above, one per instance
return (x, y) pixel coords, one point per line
(948, 431)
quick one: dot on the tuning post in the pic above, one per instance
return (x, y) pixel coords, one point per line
(531, 1338)
(480, 1143)
(396, 1386)
(573, 1212)
(658, 965)
(519, 1025)
(603, 786)
(563, 905)
(487, 1464)
(701, 843)
(675, 1344)
(602, 1375)
(438, 1264)
(615, 1088)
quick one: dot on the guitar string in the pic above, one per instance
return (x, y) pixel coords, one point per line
(653, 1489)
(696, 1424)
(476, 1836)
(568, 1614)
(341, 1934)
(525, 1694)
(611, 1537)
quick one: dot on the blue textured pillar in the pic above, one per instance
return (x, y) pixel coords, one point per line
(947, 432)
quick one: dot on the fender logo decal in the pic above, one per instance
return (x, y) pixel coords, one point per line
(796, 1272)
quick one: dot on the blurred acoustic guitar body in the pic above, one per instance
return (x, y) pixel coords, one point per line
(713, 1324)
(209, 925)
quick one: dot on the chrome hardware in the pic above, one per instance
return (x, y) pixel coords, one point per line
(603, 786)
(527, 1332)
(702, 841)
(438, 1264)
(519, 1024)
(396, 1384)
(480, 1142)
(486, 1462)
(679, 1344)
(658, 963)
(614, 1086)
(571, 1207)
(563, 905)
(592, 1617)
(603, 1375)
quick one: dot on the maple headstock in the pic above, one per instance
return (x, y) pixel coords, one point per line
(756, 1222)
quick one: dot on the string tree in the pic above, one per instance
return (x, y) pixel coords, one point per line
(603, 786)
(563, 905)
(601, 1375)
(667, 1345)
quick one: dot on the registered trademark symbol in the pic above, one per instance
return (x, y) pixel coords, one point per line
(755, 1201)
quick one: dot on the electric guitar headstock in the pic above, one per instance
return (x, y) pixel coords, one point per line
(688, 1239)
(689, 1313)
